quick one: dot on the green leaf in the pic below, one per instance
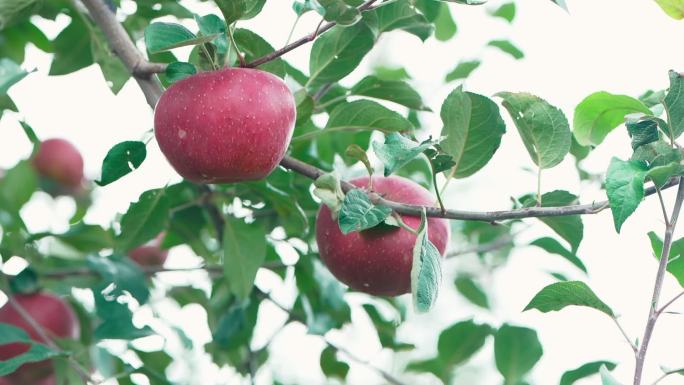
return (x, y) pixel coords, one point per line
(244, 249)
(471, 291)
(179, 70)
(10, 333)
(26, 282)
(358, 213)
(558, 295)
(213, 25)
(642, 132)
(10, 74)
(121, 159)
(114, 71)
(386, 328)
(340, 12)
(402, 15)
(123, 273)
(254, 46)
(389, 73)
(338, 52)
(16, 10)
(463, 70)
(571, 227)
(553, 246)
(327, 188)
(674, 104)
(473, 128)
(35, 353)
(445, 26)
(331, 366)
(505, 11)
(87, 238)
(606, 377)
(507, 47)
(516, 350)
(543, 127)
(72, 49)
(675, 264)
(117, 320)
(144, 219)
(17, 186)
(599, 113)
(460, 341)
(426, 271)
(364, 115)
(396, 91)
(304, 6)
(625, 188)
(160, 37)
(397, 151)
(586, 370)
(234, 10)
(673, 8)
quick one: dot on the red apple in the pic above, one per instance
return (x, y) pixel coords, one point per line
(150, 254)
(378, 261)
(61, 163)
(225, 126)
(50, 312)
(5, 381)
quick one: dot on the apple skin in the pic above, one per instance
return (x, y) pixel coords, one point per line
(54, 315)
(225, 126)
(60, 162)
(150, 254)
(378, 261)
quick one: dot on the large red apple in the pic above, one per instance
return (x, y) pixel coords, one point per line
(50, 312)
(61, 163)
(225, 126)
(378, 261)
(151, 253)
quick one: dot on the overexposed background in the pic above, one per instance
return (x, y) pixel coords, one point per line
(620, 46)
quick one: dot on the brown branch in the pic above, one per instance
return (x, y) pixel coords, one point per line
(653, 312)
(306, 39)
(121, 43)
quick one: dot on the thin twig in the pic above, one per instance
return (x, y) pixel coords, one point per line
(306, 39)
(660, 276)
(624, 334)
(670, 302)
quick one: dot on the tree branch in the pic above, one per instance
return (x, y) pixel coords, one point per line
(121, 43)
(653, 313)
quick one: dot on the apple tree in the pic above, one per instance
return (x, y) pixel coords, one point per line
(278, 161)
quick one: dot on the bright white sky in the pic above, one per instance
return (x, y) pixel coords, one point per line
(620, 46)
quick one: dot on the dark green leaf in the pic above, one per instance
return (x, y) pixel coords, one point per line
(113, 69)
(364, 115)
(179, 70)
(338, 52)
(340, 12)
(517, 350)
(17, 186)
(625, 188)
(462, 70)
(161, 37)
(471, 291)
(123, 273)
(244, 248)
(642, 132)
(568, 227)
(213, 25)
(473, 128)
(402, 15)
(26, 282)
(234, 10)
(144, 220)
(553, 246)
(586, 370)
(396, 91)
(117, 320)
(461, 341)
(35, 353)
(72, 49)
(121, 159)
(558, 295)
(331, 366)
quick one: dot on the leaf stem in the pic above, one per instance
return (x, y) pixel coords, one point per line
(624, 334)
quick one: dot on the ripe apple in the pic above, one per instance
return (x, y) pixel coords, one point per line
(150, 254)
(230, 125)
(60, 163)
(48, 311)
(378, 261)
